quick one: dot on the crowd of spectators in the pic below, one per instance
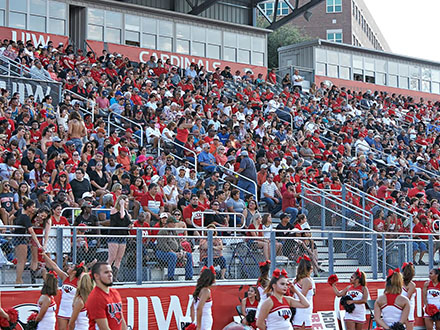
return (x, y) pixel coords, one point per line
(254, 140)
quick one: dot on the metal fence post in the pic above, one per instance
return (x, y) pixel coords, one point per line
(322, 213)
(410, 246)
(210, 248)
(74, 251)
(431, 251)
(273, 252)
(343, 195)
(59, 249)
(330, 254)
(139, 257)
(374, 256)
(302, 195)
(384, 257)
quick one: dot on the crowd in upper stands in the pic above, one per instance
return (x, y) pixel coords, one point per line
(222, 141)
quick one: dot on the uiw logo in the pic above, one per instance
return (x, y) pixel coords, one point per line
(161, 320)
(36, 39)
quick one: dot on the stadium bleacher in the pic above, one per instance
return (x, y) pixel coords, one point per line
(367, 161)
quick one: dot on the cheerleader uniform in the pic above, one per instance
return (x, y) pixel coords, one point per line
(391, 313)
(206, 314)
(279, 316)
(304, 315)
(263, 297)
(358, 314)
(49, 319)
(68, 291)
(432, 295)
(251, 307)
(82, 322)
(412, 304)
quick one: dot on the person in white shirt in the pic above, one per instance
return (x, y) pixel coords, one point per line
(273, 104)
(361, 145)
(38, 72)
(297, 80)
(271, 195)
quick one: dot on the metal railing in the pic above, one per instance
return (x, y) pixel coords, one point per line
(200, 215)
(144, 260)
(159, 148)
(244, 178)
(16, 69)
(85, 101)
(122, 118)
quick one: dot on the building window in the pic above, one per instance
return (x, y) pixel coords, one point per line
(334, 35)
(268, 8)
(334, 6)
(132, 30)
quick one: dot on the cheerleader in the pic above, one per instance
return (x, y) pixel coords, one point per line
(359, 292)
(68, 289)
(409, 291)
(304, 284)
(46, 317)
(201, 308)
(275, 312)
(79, 319)
(392, 305)
(262, 283)
(250, 303)
(431, 296)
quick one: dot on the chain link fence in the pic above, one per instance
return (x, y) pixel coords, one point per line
(142, 255)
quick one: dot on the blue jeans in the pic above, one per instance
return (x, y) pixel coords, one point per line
(274, 208)
(78, 145)
(179, 150)
(293, 211)
(171, 259)
(247, 185)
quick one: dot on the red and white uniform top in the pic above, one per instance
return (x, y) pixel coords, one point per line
(303, 316)
(412, 304)
(263, 297)
(279, 316)
(433, 294)
(68, 292)
(82, 321)
(251, 306)
(49, 319)
(391, 313)
(358, 315)
(207, 319)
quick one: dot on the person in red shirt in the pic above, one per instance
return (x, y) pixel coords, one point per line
(104, 304)
(418, 189)
(420, 246)
(188, 211)
(152, 202)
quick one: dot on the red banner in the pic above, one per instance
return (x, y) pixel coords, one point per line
(160, 307)
(138, 54)
(361, 86)
(36, 37)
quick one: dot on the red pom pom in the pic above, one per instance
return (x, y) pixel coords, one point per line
(332, 279)
(192, 326)
(431, 309)
(32, 317)
(14, 261)
(13, 315)
(3, 322)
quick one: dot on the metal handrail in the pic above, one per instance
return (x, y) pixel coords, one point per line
(125, 119)
(353, 208)
(202, 214)
(21, 68)
(84, 100)
(244, 178)
(180, 146)
(362, 194)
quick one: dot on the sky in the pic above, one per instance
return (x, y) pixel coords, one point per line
(410, 27)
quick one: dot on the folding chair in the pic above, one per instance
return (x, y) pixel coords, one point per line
(370, 306)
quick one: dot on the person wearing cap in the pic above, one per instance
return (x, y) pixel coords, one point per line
(418, 189)
(248, 175)
(169, 249)
(169, 163)
(123, 158)
(434, 192)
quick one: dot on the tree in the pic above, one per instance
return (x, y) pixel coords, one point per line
(283, 36)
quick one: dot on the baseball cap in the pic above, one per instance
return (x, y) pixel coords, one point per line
(87, 194)
(163, 215)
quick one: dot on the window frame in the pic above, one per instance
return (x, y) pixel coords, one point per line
(332, 4)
